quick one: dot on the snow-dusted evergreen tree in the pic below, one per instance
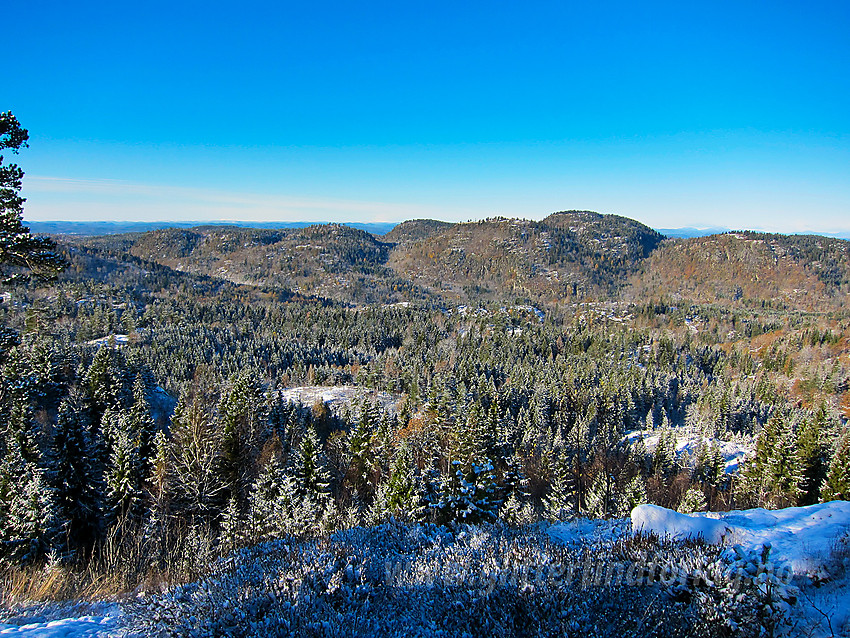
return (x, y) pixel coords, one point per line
(233, 532)
(141, 423)
(194, 482)
(103, 383)
(772, 478)
(783, 468)
(664, 459)
(561, 500)
(709, 466)
(124, 476)
(21, 253)
(30, 524)
(360, 451)
(813, 453)
(693, 501)
(240, 411)
(403, 493)
(513, 493)
(631, 494)
(270, 502)
(76, 474)
(313, 481)
(468, 496)
(836, 487)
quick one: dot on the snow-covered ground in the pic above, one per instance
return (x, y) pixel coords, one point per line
(814, 541)
(90, 621)
(581, 531)
(688, 445)
(338, 396)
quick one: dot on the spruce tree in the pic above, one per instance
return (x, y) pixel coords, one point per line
(76, 474)
(812, 451)
(836, 487)
(313, 480)
(124, 477)
(403, 496)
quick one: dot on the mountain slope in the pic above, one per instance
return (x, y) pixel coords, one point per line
(570, 255)
(800, 271)
(331, 261)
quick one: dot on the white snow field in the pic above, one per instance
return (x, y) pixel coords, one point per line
(802, 536)
(814, 540)
(102, 620)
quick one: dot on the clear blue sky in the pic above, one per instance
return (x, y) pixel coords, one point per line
(682, 113)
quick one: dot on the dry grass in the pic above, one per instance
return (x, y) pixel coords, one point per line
(122, 565)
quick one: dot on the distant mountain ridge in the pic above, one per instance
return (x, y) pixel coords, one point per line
(568, 257)
(92, 229)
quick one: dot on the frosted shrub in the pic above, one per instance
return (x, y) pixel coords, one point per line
(426, 580)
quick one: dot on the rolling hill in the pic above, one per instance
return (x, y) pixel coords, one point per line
(569, 256)
(797, 271)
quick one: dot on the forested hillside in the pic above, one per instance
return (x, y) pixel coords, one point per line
(568, 257)
(799, 271)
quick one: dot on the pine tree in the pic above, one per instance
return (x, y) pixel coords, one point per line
(20, 252)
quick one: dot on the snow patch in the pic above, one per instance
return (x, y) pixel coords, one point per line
(652, 519)
(105, 341)
(802, 536)
(336, 397)
(105, 621)
(734, 453)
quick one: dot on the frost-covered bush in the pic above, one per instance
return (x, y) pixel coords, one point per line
(426, 580)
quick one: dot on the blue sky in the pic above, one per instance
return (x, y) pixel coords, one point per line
(677, 114)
